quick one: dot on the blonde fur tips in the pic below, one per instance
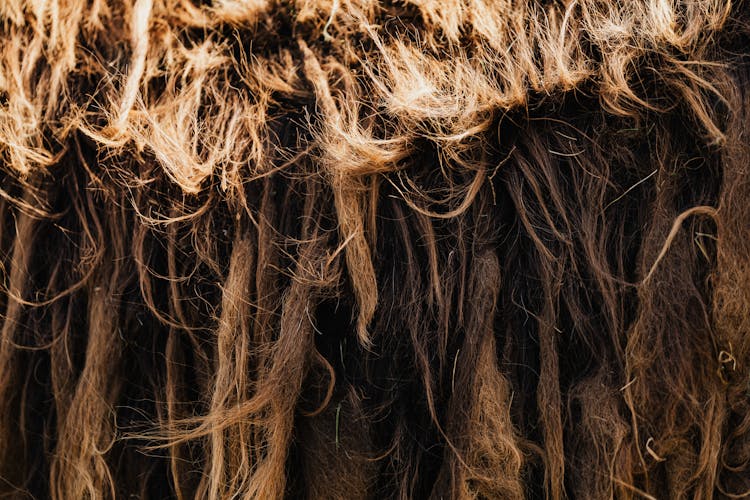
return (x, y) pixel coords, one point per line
(357, 249)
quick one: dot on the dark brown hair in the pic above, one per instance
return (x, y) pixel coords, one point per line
(359, 249)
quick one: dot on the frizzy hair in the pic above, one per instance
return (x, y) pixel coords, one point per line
(356, 249)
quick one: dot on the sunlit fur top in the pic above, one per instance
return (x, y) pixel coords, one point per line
(359, 249)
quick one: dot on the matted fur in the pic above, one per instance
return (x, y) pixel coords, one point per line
(358, 249)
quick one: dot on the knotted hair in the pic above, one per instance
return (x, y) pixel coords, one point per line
(356, 249)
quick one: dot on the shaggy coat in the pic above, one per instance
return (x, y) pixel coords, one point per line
(342, 249)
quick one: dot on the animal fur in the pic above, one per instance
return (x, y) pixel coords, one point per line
(358, 249)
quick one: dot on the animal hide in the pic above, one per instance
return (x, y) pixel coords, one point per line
(354, 249)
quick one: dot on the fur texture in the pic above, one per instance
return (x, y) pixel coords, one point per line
(359, 249)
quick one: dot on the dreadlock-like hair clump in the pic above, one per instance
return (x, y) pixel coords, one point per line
(339, 249)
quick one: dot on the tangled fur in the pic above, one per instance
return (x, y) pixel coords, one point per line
(359, 249)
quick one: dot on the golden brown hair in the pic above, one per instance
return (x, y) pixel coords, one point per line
(359, 249)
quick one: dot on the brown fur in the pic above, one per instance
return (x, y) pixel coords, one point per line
(358, 249)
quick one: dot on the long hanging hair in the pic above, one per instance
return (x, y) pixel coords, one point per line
(339, 249)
